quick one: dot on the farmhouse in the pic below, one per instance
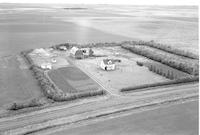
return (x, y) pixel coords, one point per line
(46, 66)
(107, 64)
(76, 53)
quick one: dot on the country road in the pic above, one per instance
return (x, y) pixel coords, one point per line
(160, 95)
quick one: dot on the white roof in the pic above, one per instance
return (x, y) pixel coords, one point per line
(74, 49)
(46, 65)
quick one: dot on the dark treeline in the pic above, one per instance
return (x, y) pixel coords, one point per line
(21, 105)
(164, 47)
(171, 82)
(89, 45)
(180, 64)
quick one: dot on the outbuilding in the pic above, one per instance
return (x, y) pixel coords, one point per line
(107, 64)
(76, 53)
(46, 66)
(63, 48)
(87, 52)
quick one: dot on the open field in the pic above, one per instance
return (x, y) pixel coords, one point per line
(177, 119)
(24, 27)
(175, 25)
(16, 81)
(127, 72)
(72, 80)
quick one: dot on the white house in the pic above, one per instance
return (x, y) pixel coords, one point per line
(107, 64)
(76, 53)
(46, 66)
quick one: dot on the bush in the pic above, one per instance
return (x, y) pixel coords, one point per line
(178, 81)
(32, 103)
(139, 63)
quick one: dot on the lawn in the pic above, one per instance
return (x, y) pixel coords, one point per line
(17, 83)
(72, 80)
(127, 72)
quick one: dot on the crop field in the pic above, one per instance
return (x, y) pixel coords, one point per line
(127, 72)
(17, 83)
(72, 80)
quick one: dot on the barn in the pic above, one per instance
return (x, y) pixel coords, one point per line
(76, 53)
(107, 64)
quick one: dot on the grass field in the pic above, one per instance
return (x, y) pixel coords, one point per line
(73, 80)
(17, 83)
(175, 25)
(32, 26)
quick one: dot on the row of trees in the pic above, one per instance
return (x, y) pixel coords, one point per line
(89, 45)
(166, 83)
(31, 103)
(151, 43)
(170, 75)
(164, 47)
(179, 64)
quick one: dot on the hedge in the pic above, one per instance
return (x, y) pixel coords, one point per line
(171, 82)
(164, 47)
(31, 103)
(182, 65)
(89, 45)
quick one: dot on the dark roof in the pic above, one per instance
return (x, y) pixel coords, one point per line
(108, 61)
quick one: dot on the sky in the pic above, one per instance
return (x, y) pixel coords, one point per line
(119, 2)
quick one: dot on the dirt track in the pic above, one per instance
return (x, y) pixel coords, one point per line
(61, 116)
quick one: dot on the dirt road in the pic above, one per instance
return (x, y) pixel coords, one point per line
(27, 123)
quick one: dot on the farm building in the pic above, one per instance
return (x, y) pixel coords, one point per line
(107, 64)
(63, 48)
(46, 66)
(87, 52)
(76, 53)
